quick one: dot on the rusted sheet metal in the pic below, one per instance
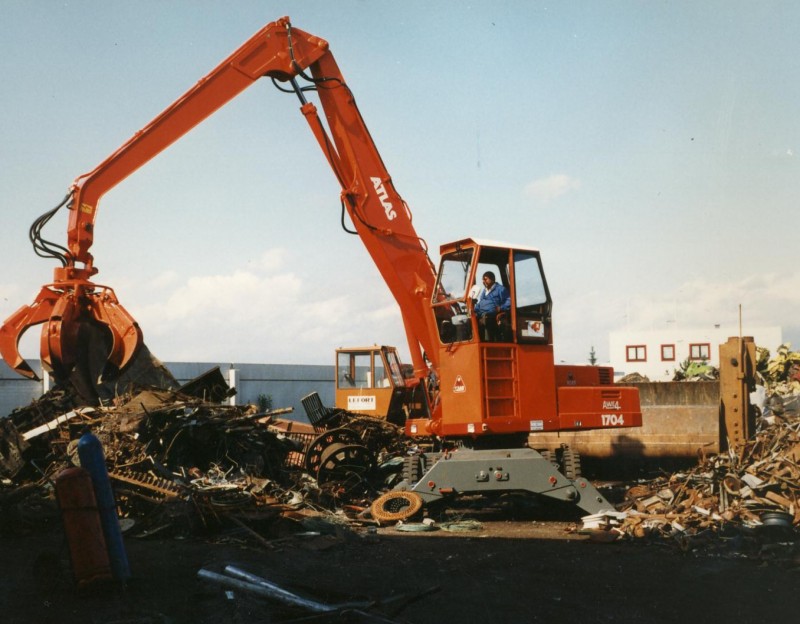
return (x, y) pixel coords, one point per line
(210, 386)
(679, 420)
(737, 379)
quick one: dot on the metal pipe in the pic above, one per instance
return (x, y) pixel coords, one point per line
(265, 589)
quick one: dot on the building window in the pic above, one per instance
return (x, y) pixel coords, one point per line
(668, 353)
(636, 353)
(700, 351)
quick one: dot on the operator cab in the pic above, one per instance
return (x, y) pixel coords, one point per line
(458, 287)
(374, 382)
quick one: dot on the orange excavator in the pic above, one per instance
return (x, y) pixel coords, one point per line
(484, 391)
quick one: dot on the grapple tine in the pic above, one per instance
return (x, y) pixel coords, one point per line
(60, 335)
(126, 336)
(16, 325)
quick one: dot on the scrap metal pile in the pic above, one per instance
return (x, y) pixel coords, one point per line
(750, 491)
(760, 486)
(180, 463)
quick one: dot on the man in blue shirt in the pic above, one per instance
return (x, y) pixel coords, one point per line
(493, 299)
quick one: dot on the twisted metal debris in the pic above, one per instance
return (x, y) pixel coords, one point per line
(725, 488)
(752, 493)
(183, 464)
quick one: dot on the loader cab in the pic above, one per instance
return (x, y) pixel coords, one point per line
(458, 287)
(374, 382)
(489, 388)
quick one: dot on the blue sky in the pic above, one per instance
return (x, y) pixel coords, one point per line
(648, 149)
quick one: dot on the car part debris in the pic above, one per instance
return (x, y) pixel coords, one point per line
(210, 386)
(395, 506)
(461, 526)
(319, 447)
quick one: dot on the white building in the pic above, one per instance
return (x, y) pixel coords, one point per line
(658, 353)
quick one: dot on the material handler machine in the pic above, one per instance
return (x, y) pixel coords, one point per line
(481, 398)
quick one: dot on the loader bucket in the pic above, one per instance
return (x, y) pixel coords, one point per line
(64, 308)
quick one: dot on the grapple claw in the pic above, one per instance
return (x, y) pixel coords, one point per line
(126, 336)
(64, 308)
(16, 325)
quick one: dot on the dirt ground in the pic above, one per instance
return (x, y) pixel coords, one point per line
(520, 570)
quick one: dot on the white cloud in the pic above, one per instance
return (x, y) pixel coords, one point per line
(238, 296)
(165, 279)
(255, 314)
(548, 189)
(766, 299)
(271, 260)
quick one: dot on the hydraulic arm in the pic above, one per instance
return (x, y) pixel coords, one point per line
(378, 213)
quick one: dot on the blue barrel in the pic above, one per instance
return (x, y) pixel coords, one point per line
(92, 459)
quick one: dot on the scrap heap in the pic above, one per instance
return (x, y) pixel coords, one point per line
(180, 463)
(753, 490)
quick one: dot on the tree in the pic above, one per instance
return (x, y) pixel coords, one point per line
(592, 357)
(264, 402)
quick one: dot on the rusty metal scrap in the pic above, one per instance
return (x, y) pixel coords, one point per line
(755, 493)
(156, 487)
(182, 463)
(19, 454)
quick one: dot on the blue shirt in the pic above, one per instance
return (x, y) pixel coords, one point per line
(490, 300)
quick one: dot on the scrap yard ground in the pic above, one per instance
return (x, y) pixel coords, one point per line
(508, 571)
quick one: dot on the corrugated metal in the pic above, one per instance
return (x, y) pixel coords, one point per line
(286, 384)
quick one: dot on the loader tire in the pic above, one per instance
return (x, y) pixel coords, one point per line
(548, 455)
(570, 462)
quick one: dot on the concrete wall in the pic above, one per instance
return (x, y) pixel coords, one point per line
(285, 383)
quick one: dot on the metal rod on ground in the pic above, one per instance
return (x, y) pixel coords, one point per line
(397, 603)
(264, 589)
(258, 580)
(53, 424)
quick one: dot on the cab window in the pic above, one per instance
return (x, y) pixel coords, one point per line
(532, 299)
(449, 297)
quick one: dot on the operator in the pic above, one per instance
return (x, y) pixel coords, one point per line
(492, 300)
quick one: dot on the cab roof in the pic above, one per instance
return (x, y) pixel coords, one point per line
(468, 242)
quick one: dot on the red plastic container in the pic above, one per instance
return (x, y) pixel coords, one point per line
(87, 546)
